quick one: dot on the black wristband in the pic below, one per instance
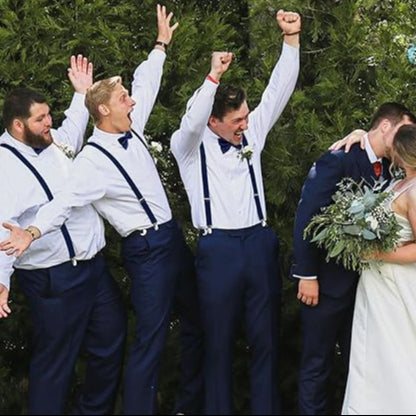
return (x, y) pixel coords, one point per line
(160, 43)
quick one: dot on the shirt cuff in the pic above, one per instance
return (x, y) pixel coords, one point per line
(159, 54)
(297, 276)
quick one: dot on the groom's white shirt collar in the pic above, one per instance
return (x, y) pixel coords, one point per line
(370, 152)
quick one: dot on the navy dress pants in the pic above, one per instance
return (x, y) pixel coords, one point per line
(238, 278)
(153, 263)
(323, 326)
(73, 309)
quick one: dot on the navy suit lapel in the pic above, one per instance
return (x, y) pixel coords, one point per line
(365, 166)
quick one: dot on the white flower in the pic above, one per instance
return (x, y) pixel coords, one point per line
(67, 149)
(246, 152)
(155, 147)
(155, 150)
(372, 222)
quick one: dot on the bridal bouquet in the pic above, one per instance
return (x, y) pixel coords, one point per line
(357, 223)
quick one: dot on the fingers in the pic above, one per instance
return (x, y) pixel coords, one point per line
(8, 226)
(288, 17)
(80, 63)
(174, 27)
(4, 311)
(308, 300)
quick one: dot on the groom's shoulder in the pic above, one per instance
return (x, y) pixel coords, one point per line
(354, 152)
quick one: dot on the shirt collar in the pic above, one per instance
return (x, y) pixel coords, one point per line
(104, 137)
(369, 150)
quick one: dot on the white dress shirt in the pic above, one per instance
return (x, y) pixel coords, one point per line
(230, 187)
(22, 196)
(96, 180)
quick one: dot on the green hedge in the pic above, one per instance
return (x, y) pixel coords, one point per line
(353, 58)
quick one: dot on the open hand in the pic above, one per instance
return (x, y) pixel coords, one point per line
(81, 73)
(17, 242)
(165, 30)
(356, 136)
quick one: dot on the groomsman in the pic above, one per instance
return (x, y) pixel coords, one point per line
(326, 290)
(73, 301)
(116, 173)
(218, 149)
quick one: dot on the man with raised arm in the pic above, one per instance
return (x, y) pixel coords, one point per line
(116, 173)
(218, 148)
(73, 301)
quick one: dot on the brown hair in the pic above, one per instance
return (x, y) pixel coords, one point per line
(393, 112)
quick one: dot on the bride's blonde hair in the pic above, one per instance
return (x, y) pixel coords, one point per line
(404, 146)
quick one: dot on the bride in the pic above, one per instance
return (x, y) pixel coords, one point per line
(382, 373)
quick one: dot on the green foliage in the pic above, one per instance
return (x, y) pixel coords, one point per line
(352, 59)
(356, 224)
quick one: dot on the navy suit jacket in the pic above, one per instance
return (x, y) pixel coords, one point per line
(334, 280)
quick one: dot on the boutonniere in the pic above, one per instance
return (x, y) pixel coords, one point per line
(67, 149)
(246, 152)
(155, 150)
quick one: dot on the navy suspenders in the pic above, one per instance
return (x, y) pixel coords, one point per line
(255, 189)
(133, 187)
(49, 194)
(207, 199)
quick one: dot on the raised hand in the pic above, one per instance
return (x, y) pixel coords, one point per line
(4, 298)
(289, 22)
(220, 63)
(81, 73)
(17, 242)
(165, 30)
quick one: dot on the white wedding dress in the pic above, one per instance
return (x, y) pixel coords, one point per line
(382, 372)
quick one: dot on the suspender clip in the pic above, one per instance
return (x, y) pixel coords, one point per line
(206, 231)
(74, 261)
(263, 223)
(155, 226)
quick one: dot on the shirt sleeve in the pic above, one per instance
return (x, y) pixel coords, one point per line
(87, 185)
(186, 141)
(72, 129)
(8, 213)
(317, 192)
(145, 88)
(276, 95)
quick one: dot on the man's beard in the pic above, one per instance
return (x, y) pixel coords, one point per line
(37, 141)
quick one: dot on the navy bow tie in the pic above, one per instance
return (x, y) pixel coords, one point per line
(225, 145)
(124, 140)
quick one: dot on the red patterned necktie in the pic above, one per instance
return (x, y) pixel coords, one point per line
(377, 169)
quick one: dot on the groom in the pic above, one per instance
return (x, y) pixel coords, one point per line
(327, 290)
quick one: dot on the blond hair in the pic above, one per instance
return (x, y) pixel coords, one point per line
(404, 146)
(100, 93)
